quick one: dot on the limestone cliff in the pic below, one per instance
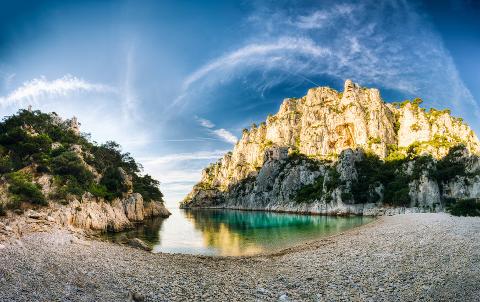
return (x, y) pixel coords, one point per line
(328, 133)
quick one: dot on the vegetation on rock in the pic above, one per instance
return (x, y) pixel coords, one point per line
(34, 144)
(465, 207)
(411, 157)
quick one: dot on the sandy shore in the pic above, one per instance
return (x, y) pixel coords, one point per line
(429, 257)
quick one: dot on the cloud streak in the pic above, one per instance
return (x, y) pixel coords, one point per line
(33, 91)
(364, 41)
(223, 134)
(256, 54)
(176, 157)
(226, 135)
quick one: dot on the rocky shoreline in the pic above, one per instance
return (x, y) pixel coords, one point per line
(432, 257)
(340, 209)
(88, 216)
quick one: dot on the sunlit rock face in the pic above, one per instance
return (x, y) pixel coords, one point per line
(320, 126)
(91, 213)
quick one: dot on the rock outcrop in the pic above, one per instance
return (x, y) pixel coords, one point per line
(48, 165)
(91, 213)
(328, 136)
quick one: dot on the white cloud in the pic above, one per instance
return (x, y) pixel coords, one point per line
(36, 89)
(176, 157)
(256, 54)
(223, 134)
(226, 135)
(204, 122)
(322, 18)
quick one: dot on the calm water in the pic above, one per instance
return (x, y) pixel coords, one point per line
(234, 233)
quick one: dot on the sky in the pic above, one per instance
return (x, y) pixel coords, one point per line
(175, 82)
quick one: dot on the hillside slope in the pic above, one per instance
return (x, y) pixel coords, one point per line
(47, 165)
(346, 152)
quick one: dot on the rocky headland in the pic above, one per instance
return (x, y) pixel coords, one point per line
(347, 152)
(52, 175)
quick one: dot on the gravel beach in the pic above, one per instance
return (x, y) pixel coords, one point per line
(427, 257)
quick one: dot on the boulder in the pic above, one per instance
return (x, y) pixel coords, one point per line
(139, 244)
(133, 206)
(155, 208)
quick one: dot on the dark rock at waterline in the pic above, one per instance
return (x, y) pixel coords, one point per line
(139, 244)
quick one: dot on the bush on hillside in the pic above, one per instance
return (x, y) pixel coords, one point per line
(465, 207)
(311, 192)
(451, 166)
(69, 164)
(24, 190)
(112, 180)
(147, 187)
(26, 139)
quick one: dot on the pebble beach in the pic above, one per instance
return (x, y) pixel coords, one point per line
(409, 257)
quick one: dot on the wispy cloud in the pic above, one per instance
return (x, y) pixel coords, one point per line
(226, 135)
(204, 122)
(176, 157)
(68, 95)
(223, 134)
(387, 44)
(322, 18)
(130, 99)
(257, 54)
(33, 91)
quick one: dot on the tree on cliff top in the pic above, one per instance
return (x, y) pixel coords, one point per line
(34, 144)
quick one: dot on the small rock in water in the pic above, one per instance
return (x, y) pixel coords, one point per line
(139, 244)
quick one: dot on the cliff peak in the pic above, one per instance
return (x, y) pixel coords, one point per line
(326, 122)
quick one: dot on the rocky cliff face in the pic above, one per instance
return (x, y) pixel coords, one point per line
(91, 213)
(47, 166)
(332, 137)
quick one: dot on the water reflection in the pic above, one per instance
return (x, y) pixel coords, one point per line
(233, 233)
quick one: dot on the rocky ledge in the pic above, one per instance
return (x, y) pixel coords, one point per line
(88, 215)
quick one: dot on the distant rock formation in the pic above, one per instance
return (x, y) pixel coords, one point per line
(325, 133)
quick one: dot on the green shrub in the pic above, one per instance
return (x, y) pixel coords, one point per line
(99, 190)
(311, 192)
(450, 166)
(6, 164)
(26, 139)
(346, 196)
(368, 173)
(69, 164)
(68, 185)
(147, 187)
(465, 207)
(333, 179)
(113, 181)
(22, 189)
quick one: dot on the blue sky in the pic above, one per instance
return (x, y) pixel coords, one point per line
(175, 82)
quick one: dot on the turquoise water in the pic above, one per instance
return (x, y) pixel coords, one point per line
(233, 232)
